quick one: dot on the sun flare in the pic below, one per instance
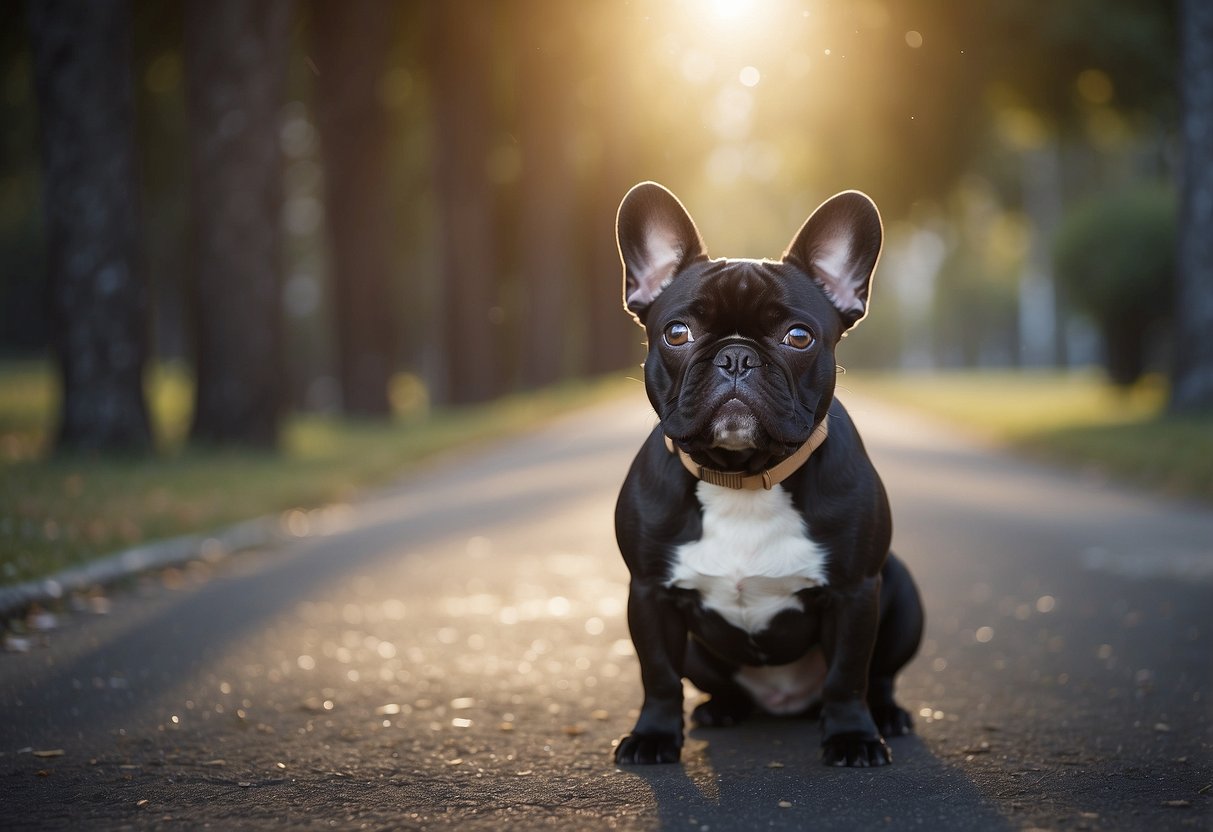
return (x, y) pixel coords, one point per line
(731, 10)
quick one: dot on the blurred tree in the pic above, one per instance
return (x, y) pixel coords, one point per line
(461, 51)
(23, 309)
(1116, 256)
(162, 136)
(614, 339)
(546, 202)
(235, 67)
(351, 42)
(1192, 387)
(82, 74)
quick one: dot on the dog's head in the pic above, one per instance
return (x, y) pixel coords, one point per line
(740, 366)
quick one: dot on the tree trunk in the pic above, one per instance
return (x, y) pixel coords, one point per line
(351, 43)
(1124, 346)
(98, 294)
(547, 196)
(461, 52)
(1192, 384)
(615, 339)
(236, 61)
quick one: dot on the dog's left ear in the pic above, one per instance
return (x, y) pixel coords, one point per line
(838, 247)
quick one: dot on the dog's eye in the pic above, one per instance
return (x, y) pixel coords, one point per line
(677, 334)
(799, 338)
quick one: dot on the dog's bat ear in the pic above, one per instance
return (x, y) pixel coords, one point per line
(657, 239)
(838, 247)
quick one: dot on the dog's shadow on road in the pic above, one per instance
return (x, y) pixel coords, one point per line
(767, 774)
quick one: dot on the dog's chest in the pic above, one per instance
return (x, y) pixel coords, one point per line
(753, 557)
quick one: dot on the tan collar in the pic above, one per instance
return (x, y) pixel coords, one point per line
(753, 482)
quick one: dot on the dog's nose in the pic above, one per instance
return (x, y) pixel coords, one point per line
(736, 360)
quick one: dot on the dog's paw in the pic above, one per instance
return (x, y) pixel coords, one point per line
(647, 749)
(719, 712)
(892, 720)
(855, 750)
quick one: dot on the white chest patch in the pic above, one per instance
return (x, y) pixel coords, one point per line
(754, 556)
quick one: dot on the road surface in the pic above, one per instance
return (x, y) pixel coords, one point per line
(452, 653)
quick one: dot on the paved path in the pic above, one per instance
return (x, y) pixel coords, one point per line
(453, 654)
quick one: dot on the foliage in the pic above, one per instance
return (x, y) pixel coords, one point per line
(1116, 253)
(1116, 256)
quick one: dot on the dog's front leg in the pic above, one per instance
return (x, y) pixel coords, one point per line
(849, 735)
(659, 632)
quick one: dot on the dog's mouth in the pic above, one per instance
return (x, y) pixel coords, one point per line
(734, 438)
(734, 427)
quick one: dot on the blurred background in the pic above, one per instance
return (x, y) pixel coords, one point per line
(363, 207)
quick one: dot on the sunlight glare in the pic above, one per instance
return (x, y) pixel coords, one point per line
(731, 10)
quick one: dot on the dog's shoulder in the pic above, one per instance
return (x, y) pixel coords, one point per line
(657, 505)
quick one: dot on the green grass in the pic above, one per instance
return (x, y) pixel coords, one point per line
(1075, 418)
(56, 513)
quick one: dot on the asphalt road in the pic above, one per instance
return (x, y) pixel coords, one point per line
(452, 653)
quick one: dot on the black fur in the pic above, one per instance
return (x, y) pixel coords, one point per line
(867, 617)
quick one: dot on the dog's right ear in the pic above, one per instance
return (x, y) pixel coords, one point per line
(657, 239)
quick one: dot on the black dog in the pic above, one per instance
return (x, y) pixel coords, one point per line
(755, 528)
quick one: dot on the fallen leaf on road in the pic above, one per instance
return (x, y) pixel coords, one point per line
(600, 714)
(774, 764)
(17, 644)
(573, 730)
(215, 763)
(1177, 804)
(784, 804)
(53, 752)
(143, 802)
(42, 620)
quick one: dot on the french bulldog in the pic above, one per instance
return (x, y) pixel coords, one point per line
(752, 521)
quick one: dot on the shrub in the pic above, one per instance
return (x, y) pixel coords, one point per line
(1115, 255)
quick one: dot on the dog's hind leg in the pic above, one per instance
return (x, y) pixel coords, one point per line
(897, 639)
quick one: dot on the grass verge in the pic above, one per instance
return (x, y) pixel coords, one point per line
(56, 513)
(1075, 418)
